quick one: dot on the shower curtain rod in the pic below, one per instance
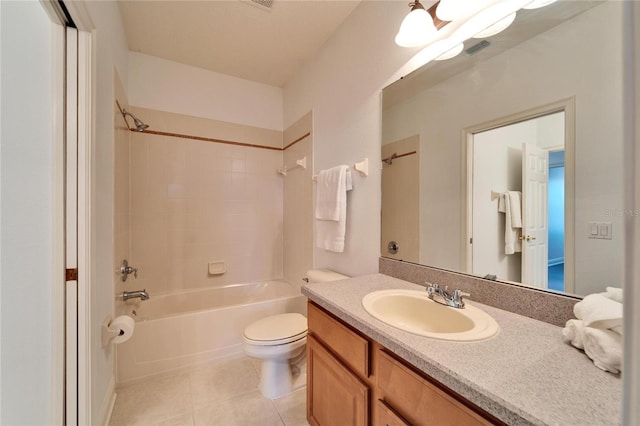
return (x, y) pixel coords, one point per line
(394, 156)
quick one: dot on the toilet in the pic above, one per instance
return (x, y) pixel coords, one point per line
(278, 339)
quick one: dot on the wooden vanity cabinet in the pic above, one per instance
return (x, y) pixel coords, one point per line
(352, 380)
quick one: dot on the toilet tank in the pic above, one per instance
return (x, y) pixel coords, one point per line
(324, 275)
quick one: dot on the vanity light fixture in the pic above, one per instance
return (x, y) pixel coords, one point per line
(417, 28)
(451, 10)
(451, 53)
(499, 26)
(535, 4)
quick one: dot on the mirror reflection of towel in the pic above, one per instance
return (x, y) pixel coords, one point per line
(510, 205)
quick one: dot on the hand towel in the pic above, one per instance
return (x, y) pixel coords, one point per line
(331, 190)
(598, 311)
(573, 333)
(330, 233)
(604, 347)
(510, 205)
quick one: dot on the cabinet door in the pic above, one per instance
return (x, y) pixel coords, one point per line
(419, 401)
(335, 396)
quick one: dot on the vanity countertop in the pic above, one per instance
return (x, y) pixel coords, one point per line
(525, 375)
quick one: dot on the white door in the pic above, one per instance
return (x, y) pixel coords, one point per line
(535, 178)
(71, 227)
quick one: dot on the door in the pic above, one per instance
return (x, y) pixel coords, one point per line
(71, 227)
(535, 178)
(335, 396)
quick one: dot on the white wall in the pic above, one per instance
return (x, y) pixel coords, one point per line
(111, 55)
(599, 179)
(342, 86)
(27, 211)
(165, 85)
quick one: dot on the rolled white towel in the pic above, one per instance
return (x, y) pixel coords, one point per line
(604, 347)
(573, 333)
(599, 311)
(615, 293)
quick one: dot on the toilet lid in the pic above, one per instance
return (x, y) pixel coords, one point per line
(277, 329)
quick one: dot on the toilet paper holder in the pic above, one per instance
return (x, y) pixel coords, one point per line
(109, 332)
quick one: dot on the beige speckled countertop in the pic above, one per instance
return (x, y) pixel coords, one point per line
(525, 375)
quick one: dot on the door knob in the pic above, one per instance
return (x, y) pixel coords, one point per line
(527, 238)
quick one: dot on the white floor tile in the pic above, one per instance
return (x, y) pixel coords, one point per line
(153, 401)
(224, 394)
(293, 408)
(183, 420)
(223, 381)
(251, 409)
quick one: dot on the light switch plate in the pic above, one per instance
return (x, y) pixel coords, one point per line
(600, 230)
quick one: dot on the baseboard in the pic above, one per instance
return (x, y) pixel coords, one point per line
(106, 408)
(556, 261)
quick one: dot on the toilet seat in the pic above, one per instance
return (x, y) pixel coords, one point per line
(276, 330)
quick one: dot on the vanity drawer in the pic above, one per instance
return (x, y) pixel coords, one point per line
(352, 348)
(419, 401)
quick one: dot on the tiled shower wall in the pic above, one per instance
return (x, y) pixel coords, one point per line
(193, 202)
(298, 202)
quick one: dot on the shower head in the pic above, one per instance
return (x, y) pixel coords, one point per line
(140, 126)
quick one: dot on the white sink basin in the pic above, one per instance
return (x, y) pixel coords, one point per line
(413, 311)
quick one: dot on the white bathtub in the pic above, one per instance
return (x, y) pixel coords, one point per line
(181, 330)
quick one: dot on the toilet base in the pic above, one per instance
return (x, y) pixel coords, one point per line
(275, 378)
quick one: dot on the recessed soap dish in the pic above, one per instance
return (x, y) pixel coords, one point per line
(217, 268)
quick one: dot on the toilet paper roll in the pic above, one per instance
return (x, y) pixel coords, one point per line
(124, 325)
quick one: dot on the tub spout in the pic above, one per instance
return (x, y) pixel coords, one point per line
(142, 294)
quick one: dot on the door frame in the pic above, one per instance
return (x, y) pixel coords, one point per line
(80, 16)
(564, 105)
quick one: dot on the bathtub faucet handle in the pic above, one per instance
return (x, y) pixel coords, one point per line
(126, 270)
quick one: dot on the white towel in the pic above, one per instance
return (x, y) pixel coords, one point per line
(331, 191)
(510, 205)
(331, 198)
(615, 293)
(604, 347)
(598, 311)
(573, 333)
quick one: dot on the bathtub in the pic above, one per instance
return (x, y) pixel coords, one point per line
(181, 330)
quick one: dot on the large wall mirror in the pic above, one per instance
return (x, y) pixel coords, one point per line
(506, 161)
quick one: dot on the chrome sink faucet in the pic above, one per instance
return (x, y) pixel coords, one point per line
(441, 296)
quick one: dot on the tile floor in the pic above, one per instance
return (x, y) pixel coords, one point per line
(224, 394)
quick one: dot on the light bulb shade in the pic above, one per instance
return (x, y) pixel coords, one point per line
(416, 29)
(451, 10)
(499, 26)
(451, 53)
(538, 3)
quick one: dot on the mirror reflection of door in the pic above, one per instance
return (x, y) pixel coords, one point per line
(400, 215)
(499, 165)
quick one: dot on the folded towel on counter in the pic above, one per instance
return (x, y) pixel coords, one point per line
(331, 198)
(615, 293)
(510, 205)
(573, 333)
(604, 347)
(598, 311)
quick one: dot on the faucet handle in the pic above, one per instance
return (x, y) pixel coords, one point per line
(458, 295)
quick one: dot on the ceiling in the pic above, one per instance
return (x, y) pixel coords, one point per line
(234, 37)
